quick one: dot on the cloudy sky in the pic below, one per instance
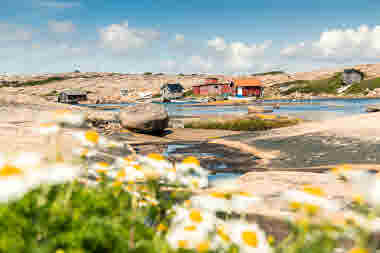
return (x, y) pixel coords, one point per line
(197, 36)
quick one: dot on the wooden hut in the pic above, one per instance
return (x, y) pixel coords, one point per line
(212, 87)
(248, 87)
(72, 96)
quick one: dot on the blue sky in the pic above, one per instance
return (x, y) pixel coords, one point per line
(208, 36)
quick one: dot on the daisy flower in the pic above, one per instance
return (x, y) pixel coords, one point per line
(100, 168)
(60, 173)
(222, 237)
(84, 152)
(48, 128)
(89, 138)
(156, 161)
(191, 166)
(213, 202)
(309, 198)
(241, 201)
(27, 161)
(12, 182)
(188, 237)
(195, 216)
(69, 117)
(249, 237)
(194, 182)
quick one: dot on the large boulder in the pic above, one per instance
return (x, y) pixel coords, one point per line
(149, 118)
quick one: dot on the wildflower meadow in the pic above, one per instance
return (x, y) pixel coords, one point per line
(60, 202)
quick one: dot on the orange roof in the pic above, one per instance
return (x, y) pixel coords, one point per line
(247, 82)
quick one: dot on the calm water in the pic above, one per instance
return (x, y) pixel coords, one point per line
(316, 109)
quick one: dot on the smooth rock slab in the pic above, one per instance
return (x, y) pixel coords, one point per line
(146, 118)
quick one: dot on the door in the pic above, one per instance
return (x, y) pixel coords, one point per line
(240, 91)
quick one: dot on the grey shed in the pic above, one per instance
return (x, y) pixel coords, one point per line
(72, 96)
(171, 91)
(351, 76)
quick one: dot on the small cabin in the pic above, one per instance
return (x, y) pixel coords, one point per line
(72, 97)
(351, 76)
(248, 87)
(212, 87)
(171, 91)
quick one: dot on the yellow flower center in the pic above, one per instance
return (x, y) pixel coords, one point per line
(196, 216)
(156, 157)
(222, 234)
(295, 205)
(84, 152)
(117, 183)
(9, 170)
(191, 160)
(311, 209)
(358, 199)
(187, 202)
(219, 195)
(137, 167)
(121, 174)
(47, 125)
(316, 191)
(92, 136)
(203, 246)
(127, 159)
(171, 170)
(358, 250)
(183, 244)
(250, 238)
(270, 239)
(195, 183)
(103, 164)
(303, 222)
(101, 171)
(190, 228)
(161, 227)
(344, 167)
(245, 194)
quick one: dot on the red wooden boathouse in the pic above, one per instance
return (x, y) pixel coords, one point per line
(212, 86)
(248, 87)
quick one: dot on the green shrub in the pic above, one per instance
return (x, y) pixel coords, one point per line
(329, 86)
(269, 73)
(188, 93)
(241, 124)
(41, 82)
(361, 87)
(148, 73)
(77, 218)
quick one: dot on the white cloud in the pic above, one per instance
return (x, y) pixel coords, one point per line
(237, 56)
(61, 26)
(200, 63)
(10, 32)
(340, 44)
(180, 38)
(58, 4)
(218, 43)
(121, 37)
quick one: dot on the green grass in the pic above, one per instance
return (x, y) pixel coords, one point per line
(188, 93)
(269, 73)
(40, 82)
(361, 87)
(329, 86)
(242, 124)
